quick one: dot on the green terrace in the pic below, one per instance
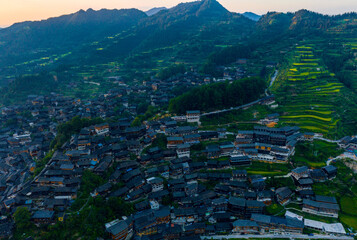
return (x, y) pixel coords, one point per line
(312, 92)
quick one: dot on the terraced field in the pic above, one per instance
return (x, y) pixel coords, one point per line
(307, 92)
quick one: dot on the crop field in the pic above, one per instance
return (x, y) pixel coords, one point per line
(312, 91)
(349, 209)
(349, 205)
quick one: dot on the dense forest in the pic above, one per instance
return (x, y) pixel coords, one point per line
(219, 95)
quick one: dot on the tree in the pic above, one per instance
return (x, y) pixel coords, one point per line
(160, 141)
(65, 130)
(136, 122)
(219, 95)
(22, 217)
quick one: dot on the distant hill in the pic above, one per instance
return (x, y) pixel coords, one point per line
(117, 33)
(302, 22)
(154, 11)
(189, 33)
(196, 26)
(252, 16)
(64, 33)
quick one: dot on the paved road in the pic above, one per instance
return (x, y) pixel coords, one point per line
(342, 156)
(232, 109)
(28, 183)
(273, 78)
(285, 176)
(272, 236)
(327, 140)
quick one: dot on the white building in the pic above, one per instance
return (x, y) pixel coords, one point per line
(183, 150)
(193, 116)
(335, 228)
(156, 183)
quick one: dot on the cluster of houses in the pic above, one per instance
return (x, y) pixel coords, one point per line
(317, 205)
(26, 132)
(185, 206)
(268, 144)
(236, 203)
(174, 196)
(350, 145)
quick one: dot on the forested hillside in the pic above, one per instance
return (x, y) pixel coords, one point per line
(29, 40)
(219, 95)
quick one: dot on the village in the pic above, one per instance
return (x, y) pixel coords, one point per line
(194, 185)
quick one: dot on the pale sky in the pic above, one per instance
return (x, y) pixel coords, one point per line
(12, 11)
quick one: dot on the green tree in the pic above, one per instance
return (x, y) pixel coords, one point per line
(219, 95)
(22, 217)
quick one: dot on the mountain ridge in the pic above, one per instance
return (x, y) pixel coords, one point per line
(154, 11)
(106, 35)
(83, 28)
(65, 31)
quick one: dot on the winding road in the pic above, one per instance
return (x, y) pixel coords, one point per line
(273, 78)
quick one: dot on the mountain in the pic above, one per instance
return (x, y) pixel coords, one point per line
(154, 11)
(187, 33)
(62, 34)
(102, 36)
(189, 30)
(303, 22)
(252, 16)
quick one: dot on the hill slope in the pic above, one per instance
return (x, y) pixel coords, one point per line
(24, 40)
(189, 30)
(201, 24)
(302, 22)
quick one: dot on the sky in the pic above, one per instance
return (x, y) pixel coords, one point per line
(12, 11)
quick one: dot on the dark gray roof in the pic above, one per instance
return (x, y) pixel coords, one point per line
(254, 203)
(117, 228)
(325, 199)
(43, 214)
(305, 181)
(237, 201)
(321, 204)
(330, 169)
(260, 218)
(244, 223)
(283, 192)
(300, 170)
(163, 212)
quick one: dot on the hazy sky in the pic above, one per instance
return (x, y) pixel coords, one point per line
(12, 11)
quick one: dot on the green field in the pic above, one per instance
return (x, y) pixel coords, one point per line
(315, 154)
(349, 220)
(349, 205)
(349, 209)
(274, 209)
(309, 95)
